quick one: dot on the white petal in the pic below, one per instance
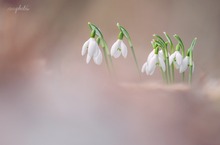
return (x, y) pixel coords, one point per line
(143, 69)
(117, 54)
(184, 64)
(93, 46)
(84, 48)
(124, 49)
(160, 54)
(152, 64)
(98, 58)
(150, 55)
(179, 58)
(171, 58)
(88, 58)
(115, 47)
(96, 53)
(162, 64)
(152, 71)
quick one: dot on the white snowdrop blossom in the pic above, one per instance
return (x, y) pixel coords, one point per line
(150, 65)
(178, 57)
(185, 65)
(160, 53)
(93, 51)
(119, 48)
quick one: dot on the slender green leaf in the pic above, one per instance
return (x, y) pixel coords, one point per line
(126, 34)
(169, 40)
(193, 44)
(179, 40)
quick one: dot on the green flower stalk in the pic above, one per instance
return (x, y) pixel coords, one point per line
(163, 46)
(171, 51)
(119, 47)
(95, 31)
(191, 63)
(182, 50)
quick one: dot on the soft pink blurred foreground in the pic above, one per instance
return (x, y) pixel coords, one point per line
(50, 96)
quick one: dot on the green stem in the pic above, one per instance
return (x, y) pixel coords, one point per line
(126, 34)
(135, 59)
(108, 56)
(190, 54)
(190, 74)
(183, 77)
(96, 31)
(105, 50)
(163, 45)
(168, 69)
(172, 51)
(168, 64)
(173, 74)
(163, 75)
(190, 66)
(106, 59)
(183, 54)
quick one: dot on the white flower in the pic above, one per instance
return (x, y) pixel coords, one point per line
(93, 51)
(160, 53)
(185, 65)
(178, 56)
(150, 65)
(119, 48)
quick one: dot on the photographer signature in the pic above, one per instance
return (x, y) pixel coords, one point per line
(19, 8)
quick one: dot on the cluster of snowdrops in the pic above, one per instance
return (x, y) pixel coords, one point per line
(164, 54)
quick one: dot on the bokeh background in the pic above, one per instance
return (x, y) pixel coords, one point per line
(50, 96)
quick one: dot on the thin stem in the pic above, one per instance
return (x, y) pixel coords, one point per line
(163, 45)
(190, 66)
(135, 59)
(95, 30)
(190, 74)
(190, 54)
(105, 49)
(163, 75)
(126, 34)
(168, 69)
(106, 59)
(108, 56)
(168, 64)
(183, 77)
(172, 51)
(183, 54)
(173, 74)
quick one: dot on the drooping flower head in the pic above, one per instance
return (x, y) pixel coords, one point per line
(155, 58)
(185, 64)
(176, 57)
(119, 48)
(93, 50)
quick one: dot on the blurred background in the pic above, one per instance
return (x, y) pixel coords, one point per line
(50, 96)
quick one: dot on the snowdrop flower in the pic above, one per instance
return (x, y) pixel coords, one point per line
(150, 65)
(93, 51)
(160, 53)
(185, 65)
(177, 56)
(119, 48)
